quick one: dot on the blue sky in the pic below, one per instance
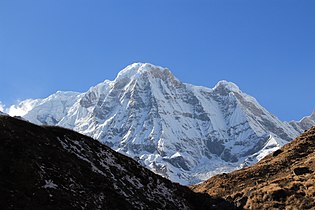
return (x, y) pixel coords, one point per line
(266, 47)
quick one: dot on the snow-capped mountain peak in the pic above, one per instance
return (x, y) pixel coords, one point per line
(136, 70)
(229, 86)
(183, 132)
(305, 123)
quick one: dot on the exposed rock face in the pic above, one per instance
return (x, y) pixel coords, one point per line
(183, 132)
(55, 168)
(284, 179)
(305, 123)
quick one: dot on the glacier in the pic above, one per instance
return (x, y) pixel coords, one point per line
(183, 132)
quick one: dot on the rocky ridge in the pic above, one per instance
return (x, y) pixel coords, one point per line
(305, 123)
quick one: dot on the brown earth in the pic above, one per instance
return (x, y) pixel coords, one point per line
(284, 179)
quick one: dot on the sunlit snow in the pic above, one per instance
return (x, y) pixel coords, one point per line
(183, 132)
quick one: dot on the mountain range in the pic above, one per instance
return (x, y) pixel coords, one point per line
(183, 132)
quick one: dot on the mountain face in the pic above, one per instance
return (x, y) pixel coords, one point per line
(48, 111)
(180, 131)
(55, 168)
(2, 114)
(283, 180)
(305, 123)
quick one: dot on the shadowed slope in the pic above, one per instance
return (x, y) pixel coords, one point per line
(56, 168)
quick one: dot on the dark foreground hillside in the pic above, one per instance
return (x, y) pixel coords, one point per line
(282, 180)
(55, 168)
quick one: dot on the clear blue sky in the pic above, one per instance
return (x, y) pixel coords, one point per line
(266, 47)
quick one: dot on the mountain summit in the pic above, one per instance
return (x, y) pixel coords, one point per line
(227, 86)
(137, 69)
(183, 132)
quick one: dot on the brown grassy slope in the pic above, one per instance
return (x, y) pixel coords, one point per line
(284, 179)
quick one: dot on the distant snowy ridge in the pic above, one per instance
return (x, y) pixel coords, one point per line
(305, 123)
(183, 132)
(47, 111)
(3, 114)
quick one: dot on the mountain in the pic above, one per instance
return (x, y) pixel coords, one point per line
(180, 131)
(3, 114)
(48, 111)
(284, 179)
(44, 167)
(305, 123)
